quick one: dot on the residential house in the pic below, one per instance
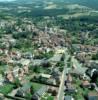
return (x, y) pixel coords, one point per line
(92, 96)
(85, 84)
(24, 62)
(9, 74)
(26, 69)
(35, 97)
(56, 58)
(22, 91)
(55, 73)
(68, 97)
(41, 91)
(51, 81)
(47, 76)
(70, 88)
(37, 62)
(69, 78)
(60, 51)
(28, 55)
(9, 77)
(15, 71)
(79, 71)
(21, 73)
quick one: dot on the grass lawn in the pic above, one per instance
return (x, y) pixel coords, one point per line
(6, 89)
(36, 86)
(46, 96)
(80, 91)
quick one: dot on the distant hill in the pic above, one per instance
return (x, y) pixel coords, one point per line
(89, 3)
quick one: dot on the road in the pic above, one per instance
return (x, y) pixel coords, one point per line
(63, 78)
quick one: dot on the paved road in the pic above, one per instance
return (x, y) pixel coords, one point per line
(65, 71)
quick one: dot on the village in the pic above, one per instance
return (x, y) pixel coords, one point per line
(41, 66)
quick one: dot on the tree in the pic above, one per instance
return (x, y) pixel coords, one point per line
(47, 64)
(95, 57)
(54, 93)
(32, 89)
(36, 69)
(17, 83)
(97, 81)
(94, 77)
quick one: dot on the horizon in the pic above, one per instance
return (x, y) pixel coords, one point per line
(6, 0)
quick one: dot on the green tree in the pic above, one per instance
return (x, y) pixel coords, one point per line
(32, 90)
(17, 83)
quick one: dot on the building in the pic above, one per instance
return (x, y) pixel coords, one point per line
(41, 91)
(70, 88)
(85, 84)
(69, 78)
(47, 76)
(92, 96)
(79, 71)
(9, 77)
(15, 71)
(25, 62)
(21, 73)
(60, 51)
(68, 97)
(26, 69)
(24, 90)
(37, 62)
(56, 58)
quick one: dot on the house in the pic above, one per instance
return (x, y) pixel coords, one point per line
(26, 69)
(85, 84)
(21, 73)
(37, 62)
(9, 77)
(41, 91)
(69, 78)
(60, 51)
(24, 90)
(47, 76)
(9, 74)
(79, 71)
(56, 58)
(15, 71)
(55, 73)
(28, 55)
(92, 96)
(25, 62)
(67, 97)
(35, 97)
(70, 88)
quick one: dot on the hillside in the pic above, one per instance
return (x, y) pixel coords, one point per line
(89, 3)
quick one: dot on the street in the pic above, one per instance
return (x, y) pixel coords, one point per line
(63, 78)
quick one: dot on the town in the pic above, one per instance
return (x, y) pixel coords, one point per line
(41, 60)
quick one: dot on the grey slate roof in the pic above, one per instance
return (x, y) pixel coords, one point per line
(41, 91)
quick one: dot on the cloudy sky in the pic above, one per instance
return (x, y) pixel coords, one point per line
(6, 0)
